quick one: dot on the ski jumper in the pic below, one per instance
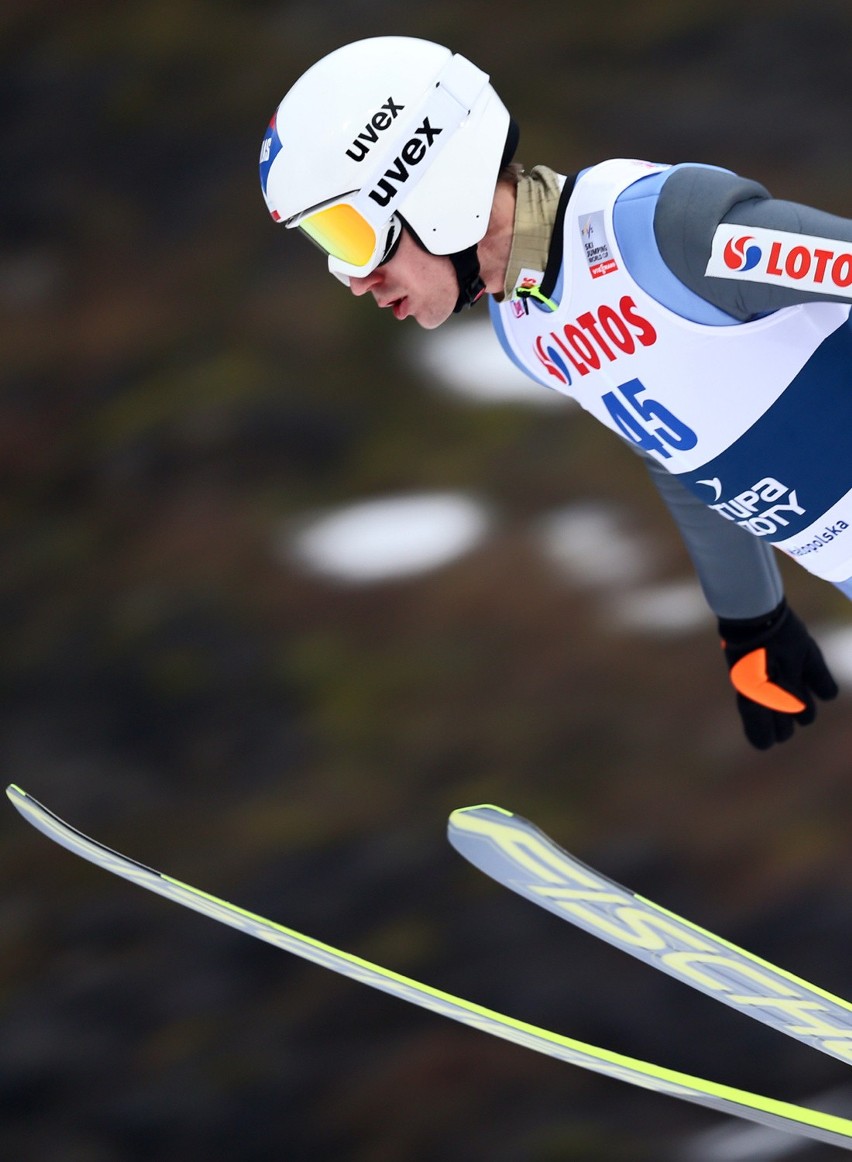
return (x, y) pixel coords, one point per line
(753, 417)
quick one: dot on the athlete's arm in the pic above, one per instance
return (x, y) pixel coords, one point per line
(692, 203)
(775, 666)
(737, 572)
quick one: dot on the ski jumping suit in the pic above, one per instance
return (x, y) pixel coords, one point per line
(738, 393)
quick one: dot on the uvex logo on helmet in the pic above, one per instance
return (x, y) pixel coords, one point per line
(369, 135)
(411, 154)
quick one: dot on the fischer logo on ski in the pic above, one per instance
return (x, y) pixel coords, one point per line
(518, 855)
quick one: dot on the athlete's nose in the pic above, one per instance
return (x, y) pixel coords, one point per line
(362, 286)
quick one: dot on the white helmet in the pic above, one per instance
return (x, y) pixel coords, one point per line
(382, 132)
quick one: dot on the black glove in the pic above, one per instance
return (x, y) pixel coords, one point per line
(776, 667)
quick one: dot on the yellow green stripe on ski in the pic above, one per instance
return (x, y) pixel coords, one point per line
(725, 1099)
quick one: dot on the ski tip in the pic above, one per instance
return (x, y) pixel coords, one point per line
(16, 793)
(478, 809)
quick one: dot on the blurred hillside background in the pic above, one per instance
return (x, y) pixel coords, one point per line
(185, 392)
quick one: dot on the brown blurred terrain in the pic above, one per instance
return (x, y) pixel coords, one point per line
(180, 380)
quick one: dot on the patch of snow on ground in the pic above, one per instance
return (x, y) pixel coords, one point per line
(672, 608)
(467, 358)
(589, 544)
(389, 537)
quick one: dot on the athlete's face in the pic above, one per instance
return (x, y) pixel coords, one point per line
(413, 284)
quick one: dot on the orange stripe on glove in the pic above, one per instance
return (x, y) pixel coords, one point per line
(776, 644)
(749, 677)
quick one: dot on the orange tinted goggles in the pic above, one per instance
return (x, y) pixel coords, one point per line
(343, 233)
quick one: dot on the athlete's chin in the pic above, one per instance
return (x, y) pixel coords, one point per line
(430, 320)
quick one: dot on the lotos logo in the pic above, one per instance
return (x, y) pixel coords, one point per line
(607, 333)
(369, 135)
(794, 260)
(740, 256)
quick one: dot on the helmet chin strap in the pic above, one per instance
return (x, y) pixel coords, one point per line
(466, 262)
(471, 287)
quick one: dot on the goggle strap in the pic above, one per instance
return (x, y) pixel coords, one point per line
(393, 240)
(471, 287)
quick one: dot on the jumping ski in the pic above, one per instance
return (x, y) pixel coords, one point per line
(724, 1099)
(517, 854)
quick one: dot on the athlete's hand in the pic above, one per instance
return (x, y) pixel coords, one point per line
(776, 668)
